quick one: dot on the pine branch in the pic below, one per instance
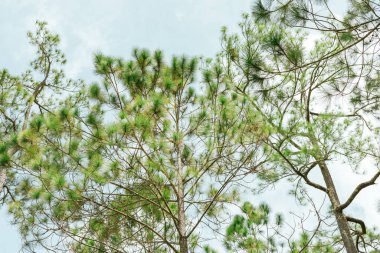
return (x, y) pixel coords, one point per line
(357, 191)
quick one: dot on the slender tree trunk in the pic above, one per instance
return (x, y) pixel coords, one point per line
(340, 218)
(183, 244)
(3, 178)
(183, 247)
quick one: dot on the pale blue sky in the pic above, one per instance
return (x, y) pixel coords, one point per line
(190, 27)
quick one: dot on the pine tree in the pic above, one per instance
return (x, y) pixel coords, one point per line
(148, 159)
(137, 163)
(256, 230)
(22, 97)
(322, 105)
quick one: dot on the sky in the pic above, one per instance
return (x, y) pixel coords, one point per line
(115, 27)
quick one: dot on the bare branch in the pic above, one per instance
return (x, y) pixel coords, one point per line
(357, 191)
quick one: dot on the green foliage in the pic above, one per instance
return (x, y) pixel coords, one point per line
(246, 232)
(148, 156)
(253, 231)
(124, 159)
(319, 106)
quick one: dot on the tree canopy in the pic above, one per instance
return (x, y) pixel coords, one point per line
(156, 155)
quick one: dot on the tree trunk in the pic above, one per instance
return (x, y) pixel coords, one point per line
(183, 244)
(183, 247)
(3, 178)
(340, 218)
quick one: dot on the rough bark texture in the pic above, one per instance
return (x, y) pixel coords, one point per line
(3, 177)
(340, 218)
(183, 246)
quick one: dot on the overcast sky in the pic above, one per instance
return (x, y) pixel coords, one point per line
(190, 27)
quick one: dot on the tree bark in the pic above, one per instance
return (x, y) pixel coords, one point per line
(3, 178)
(183, 244)
(341, 220)
(183, 247)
